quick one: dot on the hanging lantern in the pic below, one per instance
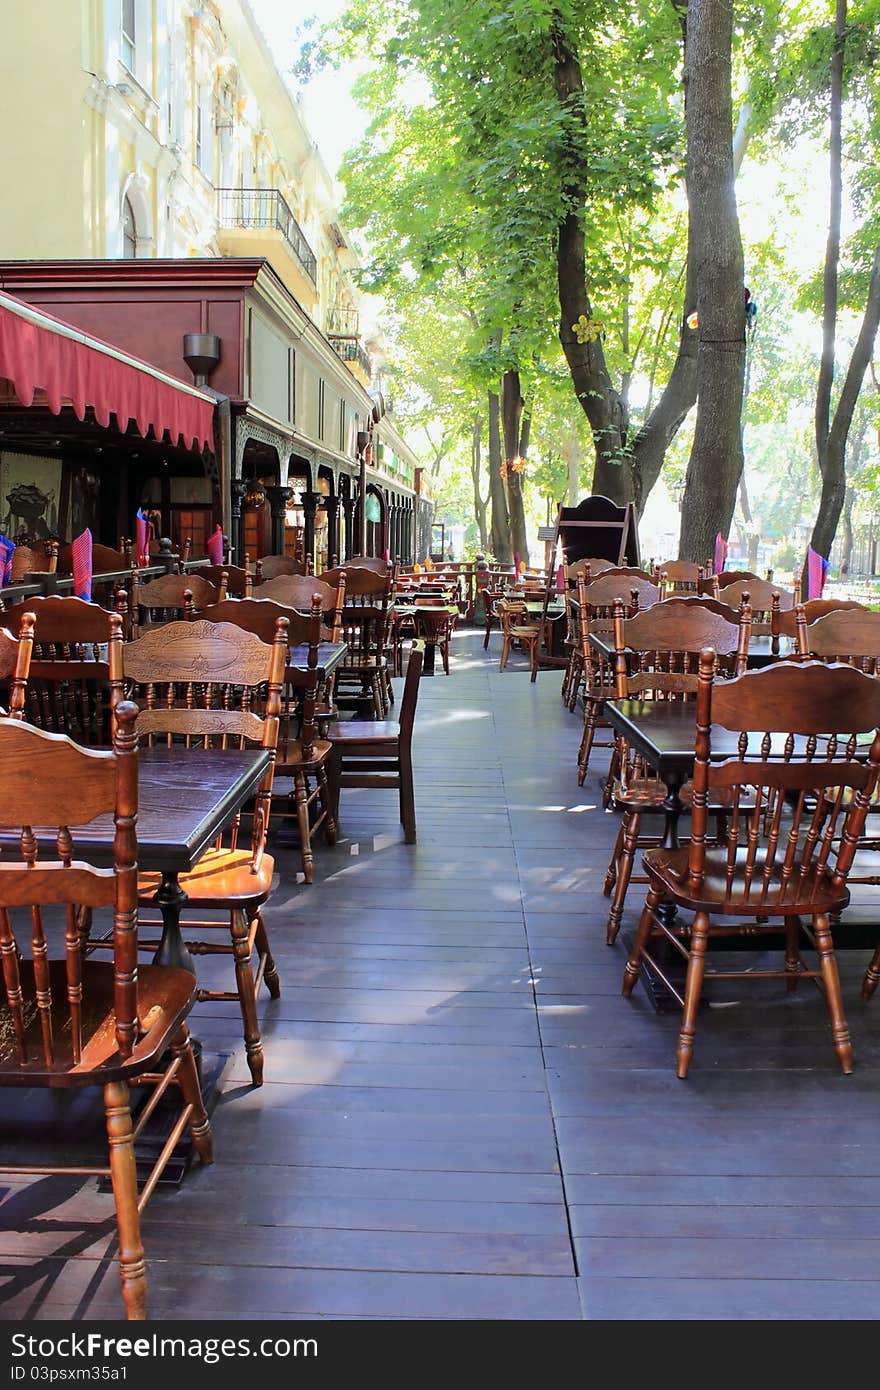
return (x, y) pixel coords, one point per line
(693, 320)
(255, 496)
(374, 510)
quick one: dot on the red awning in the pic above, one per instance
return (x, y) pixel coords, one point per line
(39, 352)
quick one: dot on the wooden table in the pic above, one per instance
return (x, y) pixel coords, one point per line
(556, 654)
(412, 611)
(761, 651)
(330, 654)
(185, 799)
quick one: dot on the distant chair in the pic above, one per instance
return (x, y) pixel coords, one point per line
(271, 566)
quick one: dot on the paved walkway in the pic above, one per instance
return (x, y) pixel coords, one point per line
(462, 1118)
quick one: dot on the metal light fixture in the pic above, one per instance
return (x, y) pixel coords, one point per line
(255, 495)
(374, 510)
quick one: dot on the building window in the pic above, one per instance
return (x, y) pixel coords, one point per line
(129, 231)
(128, 34)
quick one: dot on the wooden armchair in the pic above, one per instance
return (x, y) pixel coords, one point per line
(770, 869)
(201, 684)
(15, 663)
(517, 625)
(787, 622)
(67, 1022)
(656, 657)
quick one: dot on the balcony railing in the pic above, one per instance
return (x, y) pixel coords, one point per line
(343, 323)
(256, 209)
(350, 350)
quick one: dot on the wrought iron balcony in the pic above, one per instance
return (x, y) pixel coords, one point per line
(343, 323)
(258, 209)
(351, 350)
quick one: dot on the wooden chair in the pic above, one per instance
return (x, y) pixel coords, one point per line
(769, 869)
(301, 756)
(76, 668)
(380, 754)
(800, 623)
(67, 1022)
(368, 562)
(492, 596)
(596, 604)
(15, 663)
(517, 625)
(764, 599)
(365, 628)
(165, 599)
(39, 558)
(297, 591)
(680, 577)
(436, 627)
(239, 582)
(656, 657)
(271, 566)
(203, 685)
(713, 582)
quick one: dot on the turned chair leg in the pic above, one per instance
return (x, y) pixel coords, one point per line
(693, 988)
(611, 875)
(327, 805)
(271, 978)
(634, 964)
(301, 796)
(831, 981)
(247, 995)
(792, 953)
(123, 1175)
(187, 1075)
(872, 976)
(586, 742)
(631, 823)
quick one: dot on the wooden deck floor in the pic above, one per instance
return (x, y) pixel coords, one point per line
(462, 1118)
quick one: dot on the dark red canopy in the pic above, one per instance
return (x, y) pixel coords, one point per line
(39, 352)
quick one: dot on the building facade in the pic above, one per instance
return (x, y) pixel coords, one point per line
(171, 137)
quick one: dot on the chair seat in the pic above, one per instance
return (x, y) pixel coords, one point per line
(221, 877)
(645, 794)
(668, 868)
(360, 731)
(165, 995)
(291, 756)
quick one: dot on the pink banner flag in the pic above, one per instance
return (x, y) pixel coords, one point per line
(81, 556)
(215, 546)
(817, 569)
(142, 538)
(720, 559)
(560, 580)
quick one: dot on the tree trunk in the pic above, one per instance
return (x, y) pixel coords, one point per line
(511, 416)
(846, 544)
(600, 402)
(834, 473)
(716, 459)
(831, 461)
(499, 544)
(476, 469)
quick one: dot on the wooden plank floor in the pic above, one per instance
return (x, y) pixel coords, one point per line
(462, 1118)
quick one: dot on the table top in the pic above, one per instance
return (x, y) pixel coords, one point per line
(760, 649)
(409, 610)
(329, 656)
(554, 610)
(664, 732)
(185, 798)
